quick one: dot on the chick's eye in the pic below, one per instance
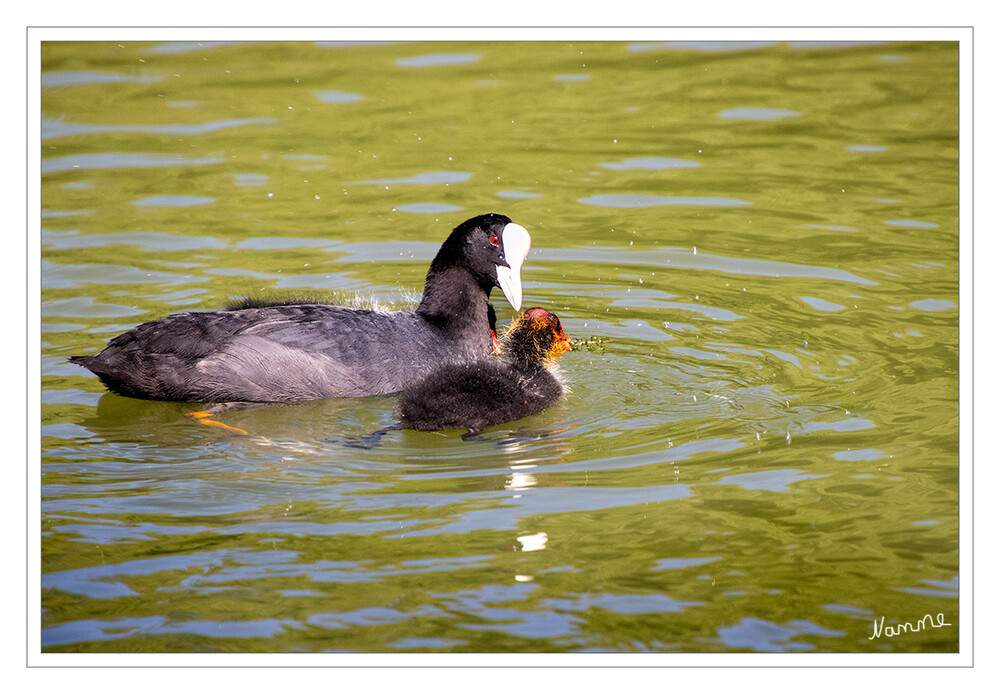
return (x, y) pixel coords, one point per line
(494, 240)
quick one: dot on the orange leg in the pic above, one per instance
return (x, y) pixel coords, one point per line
(206, 418)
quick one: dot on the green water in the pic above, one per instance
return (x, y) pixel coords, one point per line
(759, 452)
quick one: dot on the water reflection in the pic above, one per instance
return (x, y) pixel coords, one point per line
(60, 128)
(428, 178)
(118, 160)
(72, 78)
(673, 564)
(171, 47)
(769, 480)
(650, 163)
(428, 208)
(332, 96)
(673, 258)
(911, 224)
(69, 276)
(173, 201)
(148, 241)
(866, 148)
(517, 194)
(755, 113)
(646, 200)
(763, 636)
(932, 305)
(706, 46)
(437, 59)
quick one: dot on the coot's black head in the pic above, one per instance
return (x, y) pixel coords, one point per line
(536, 337)
(492, 248)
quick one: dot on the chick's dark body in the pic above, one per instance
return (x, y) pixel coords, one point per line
(515, 384)
(476, 396)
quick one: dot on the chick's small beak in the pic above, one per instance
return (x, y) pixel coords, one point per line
(563, 343)
(516, 244)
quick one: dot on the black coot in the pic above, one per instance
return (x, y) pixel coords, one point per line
(514, 384)
(292, 352)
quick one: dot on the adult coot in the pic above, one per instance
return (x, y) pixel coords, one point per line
(290, 352)
(514, 384)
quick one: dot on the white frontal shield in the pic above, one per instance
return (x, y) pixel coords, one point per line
(516, 244)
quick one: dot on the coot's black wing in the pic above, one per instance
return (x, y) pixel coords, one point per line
(275, 354)
(157, 359)
(332, 351)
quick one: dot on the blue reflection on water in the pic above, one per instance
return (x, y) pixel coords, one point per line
(751, 113)
(332, 96)
(650, 163)
(641, 200)
(59, 128)
(763, 636)
(435, 59)
(428, 208)
(70, 78)
(768, 480)
(173, 201)
(427, 178)
(113, 160)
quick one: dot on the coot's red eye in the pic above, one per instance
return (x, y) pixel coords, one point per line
(494, 240)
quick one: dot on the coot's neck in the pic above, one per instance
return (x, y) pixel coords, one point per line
(454, 301)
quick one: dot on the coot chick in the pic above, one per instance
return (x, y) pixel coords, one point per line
(514, 384)
(284, 352)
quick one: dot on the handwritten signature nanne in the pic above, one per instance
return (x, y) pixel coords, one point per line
(927, 621)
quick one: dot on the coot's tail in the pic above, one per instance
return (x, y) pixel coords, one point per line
(91, 363)
(100, 368)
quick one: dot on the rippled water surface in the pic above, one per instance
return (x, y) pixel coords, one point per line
(756, 245)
